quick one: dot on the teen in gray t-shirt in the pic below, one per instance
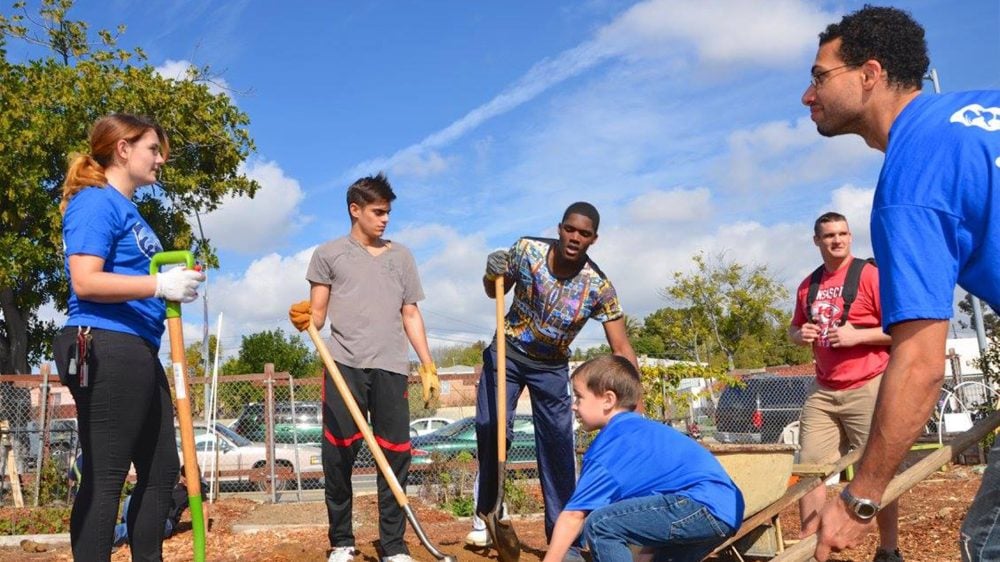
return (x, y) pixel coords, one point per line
(369, 288)
(366, 293)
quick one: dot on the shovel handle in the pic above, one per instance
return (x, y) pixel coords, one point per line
(178, 362)
(358, 417)
(170, 258)
(501, 373)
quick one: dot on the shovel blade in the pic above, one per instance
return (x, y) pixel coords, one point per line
(504, 537)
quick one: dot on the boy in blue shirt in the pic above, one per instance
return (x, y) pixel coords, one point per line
(643, 483)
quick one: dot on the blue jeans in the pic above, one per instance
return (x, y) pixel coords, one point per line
(121, 529)
(678, 528)
(980, 537)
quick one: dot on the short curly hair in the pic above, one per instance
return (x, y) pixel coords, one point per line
(889, 35)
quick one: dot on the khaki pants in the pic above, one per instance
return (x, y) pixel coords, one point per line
(833, 422)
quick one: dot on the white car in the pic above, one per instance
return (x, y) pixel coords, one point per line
(423, 426)
(241, 460)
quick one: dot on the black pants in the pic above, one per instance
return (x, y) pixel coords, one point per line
(125, 416)
(384, 394)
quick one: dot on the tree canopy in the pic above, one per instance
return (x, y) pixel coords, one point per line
(723, 313)
(49, 104)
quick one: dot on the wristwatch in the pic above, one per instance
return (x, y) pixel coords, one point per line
(863, 508)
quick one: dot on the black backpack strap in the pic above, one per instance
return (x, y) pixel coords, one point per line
(851, 283)
(817, 276)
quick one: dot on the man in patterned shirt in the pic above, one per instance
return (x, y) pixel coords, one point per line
(557, 288)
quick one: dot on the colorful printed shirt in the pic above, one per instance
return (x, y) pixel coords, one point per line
(548, 312)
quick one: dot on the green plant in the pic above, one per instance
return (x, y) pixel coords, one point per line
(53, 485)
(30, 521)
(518, 496)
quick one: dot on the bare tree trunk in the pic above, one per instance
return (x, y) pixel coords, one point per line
(14, 340)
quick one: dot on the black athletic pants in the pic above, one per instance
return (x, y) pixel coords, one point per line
(384, 395)
(125, 416)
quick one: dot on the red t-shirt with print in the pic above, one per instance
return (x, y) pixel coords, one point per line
(843, 368)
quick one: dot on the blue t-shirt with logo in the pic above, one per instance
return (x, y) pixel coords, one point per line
(633, 457)
(936, 212)
(104, 223)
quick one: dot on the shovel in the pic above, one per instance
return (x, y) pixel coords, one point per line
(373, 446)
(501, 530)
(176, 330)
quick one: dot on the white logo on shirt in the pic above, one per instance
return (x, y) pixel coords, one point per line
(975, 115)
(825, 313)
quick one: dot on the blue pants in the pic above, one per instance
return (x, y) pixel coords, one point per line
(678, 528)
(552, 413)
(121, 529)
(980, 537)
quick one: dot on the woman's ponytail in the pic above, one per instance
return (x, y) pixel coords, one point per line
(83, 172)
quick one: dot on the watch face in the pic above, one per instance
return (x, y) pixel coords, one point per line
(865, 510)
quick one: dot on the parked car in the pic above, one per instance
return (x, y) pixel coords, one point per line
(460, 437)
(237, 453)
(762, 410)
(307, 425)
(423, 426)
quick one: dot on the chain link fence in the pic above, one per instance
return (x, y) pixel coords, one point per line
(262, 434)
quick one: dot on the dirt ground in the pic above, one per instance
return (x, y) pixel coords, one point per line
(931, 514)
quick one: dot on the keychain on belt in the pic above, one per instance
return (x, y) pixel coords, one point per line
(79, 361)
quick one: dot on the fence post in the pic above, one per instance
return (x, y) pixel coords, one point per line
(43, 436)
(295, 438)
(269, 426)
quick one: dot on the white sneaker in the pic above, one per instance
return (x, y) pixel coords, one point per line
(399, 558)
(478, 538)
(342, 554)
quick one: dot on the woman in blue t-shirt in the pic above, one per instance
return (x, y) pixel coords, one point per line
(107, 352)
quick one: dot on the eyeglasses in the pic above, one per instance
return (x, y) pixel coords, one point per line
(817, 79)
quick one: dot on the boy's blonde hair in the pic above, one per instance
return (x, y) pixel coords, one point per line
(614, 373)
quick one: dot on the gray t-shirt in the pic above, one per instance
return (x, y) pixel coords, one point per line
(366, 295)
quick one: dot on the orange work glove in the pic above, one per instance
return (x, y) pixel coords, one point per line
(301, 315)
(429, 378)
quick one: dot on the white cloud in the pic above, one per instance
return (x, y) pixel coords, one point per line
(260, 224)
(759, 32)
(676, 205)
(778, 154)
(259, 297)
(182, 70)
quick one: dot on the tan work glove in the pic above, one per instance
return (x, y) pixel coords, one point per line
(301, 315)
(429, 378)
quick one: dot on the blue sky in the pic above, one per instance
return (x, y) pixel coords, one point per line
(679, 119)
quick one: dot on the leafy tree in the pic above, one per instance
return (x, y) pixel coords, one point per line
(725, 312)
(195, 360)
(286, 351)
(991, 322)
(460, 354)
(660, 385)
(48, 105)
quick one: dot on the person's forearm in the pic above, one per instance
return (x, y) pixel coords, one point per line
(874, 336)
(627, 352)
(908, 394)
(567, 529)
(413, 325)
(105, 287)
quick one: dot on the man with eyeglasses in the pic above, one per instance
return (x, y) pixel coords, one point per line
(936, 203)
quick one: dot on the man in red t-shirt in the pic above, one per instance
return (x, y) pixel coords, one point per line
(851, 355)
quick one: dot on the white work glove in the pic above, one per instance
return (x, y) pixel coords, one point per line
(178, 284)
